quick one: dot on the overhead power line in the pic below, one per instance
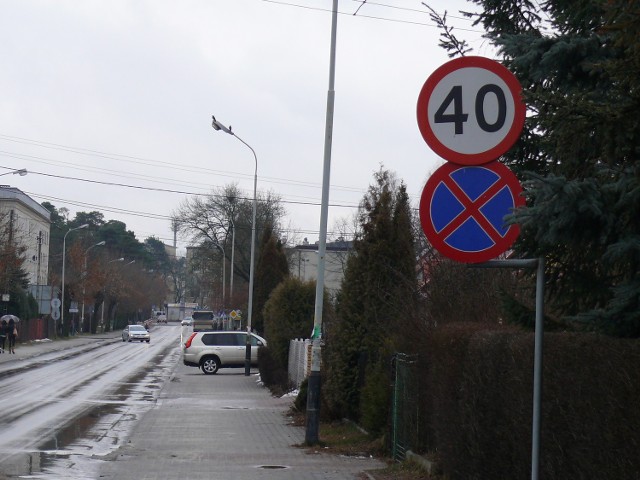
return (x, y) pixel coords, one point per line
(373, 17)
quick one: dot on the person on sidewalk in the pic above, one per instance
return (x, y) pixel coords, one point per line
(3, 334)
(12, 334)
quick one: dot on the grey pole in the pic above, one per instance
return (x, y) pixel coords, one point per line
(121, 259)
(233, 249)
(64, 252)
(247, 360)
(537, 354)
(313, 395)
(224, 274)
(84, 280)
(537, 372)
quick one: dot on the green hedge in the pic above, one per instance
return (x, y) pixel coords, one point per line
(477, 395)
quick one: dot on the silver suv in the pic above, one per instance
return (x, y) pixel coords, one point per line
(211, 351)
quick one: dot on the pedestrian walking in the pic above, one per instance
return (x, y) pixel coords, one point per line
(4, 327)
(12, 334)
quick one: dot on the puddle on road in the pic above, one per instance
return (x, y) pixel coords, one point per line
(77, 450)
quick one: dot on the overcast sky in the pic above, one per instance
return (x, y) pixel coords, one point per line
(98, 94)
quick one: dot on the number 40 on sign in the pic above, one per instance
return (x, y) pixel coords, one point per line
(470, 110)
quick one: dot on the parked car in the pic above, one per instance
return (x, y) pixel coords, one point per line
(135, 332)
(186, 322)
(211, 351)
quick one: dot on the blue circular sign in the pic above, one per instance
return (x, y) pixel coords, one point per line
(462, 210)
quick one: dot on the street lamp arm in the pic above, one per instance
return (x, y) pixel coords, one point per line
(22, 172)
(255, 157)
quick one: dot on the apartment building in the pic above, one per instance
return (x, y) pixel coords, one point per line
(28, 225)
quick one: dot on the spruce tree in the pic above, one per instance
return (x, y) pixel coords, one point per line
(579, 65)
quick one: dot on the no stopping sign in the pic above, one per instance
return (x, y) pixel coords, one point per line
(470, 110)
(462, 210)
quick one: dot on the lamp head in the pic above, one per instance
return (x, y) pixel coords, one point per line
(22, 172)
(218, 126)
(101, 243)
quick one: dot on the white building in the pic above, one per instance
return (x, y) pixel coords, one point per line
(303, 263)
(29, 225)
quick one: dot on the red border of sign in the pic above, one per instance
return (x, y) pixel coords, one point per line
(508, 178)
(480, 157)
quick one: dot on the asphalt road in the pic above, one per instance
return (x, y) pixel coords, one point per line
(94, 408)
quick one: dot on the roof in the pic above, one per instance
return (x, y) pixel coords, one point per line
(8, 193)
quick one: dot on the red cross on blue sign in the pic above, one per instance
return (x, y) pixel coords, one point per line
(462, 210)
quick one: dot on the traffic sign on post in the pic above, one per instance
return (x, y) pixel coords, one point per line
(462, 210)
(470, 110)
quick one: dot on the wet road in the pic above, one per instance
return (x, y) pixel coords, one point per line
(64, 412)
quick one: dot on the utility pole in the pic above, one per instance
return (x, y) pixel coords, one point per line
(38, 299)
(313, 395)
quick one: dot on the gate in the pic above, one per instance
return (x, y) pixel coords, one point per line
(405, 409)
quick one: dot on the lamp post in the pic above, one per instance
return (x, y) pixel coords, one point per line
(121, 259)
(22, 172)
(247, 360)
(313, 388)
(233, 249)
(224, 272)
(64, 251)
(84, 280)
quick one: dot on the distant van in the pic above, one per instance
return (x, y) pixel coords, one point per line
(202, 320)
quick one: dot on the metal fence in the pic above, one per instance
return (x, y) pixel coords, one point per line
(299, 360)
(405, 412)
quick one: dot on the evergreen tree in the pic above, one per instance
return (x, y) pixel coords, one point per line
(579, 65)
(271, 269)
(376, 302)
(288, 314)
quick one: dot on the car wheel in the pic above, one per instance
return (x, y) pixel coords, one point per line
(148, 341)
(129, 340)
(209, 365)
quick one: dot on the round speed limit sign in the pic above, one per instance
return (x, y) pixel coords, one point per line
(470, 110)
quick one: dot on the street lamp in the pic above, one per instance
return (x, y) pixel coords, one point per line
(313, 385)
(224, 272)
(22, 172)
(64, 251)
(218, 126)
(84, 280)
(233, 249)
(121, 259)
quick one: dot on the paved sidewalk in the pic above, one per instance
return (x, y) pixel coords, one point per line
(224, 426)
(39, 347)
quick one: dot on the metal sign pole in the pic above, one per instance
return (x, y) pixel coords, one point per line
(537, 371)
(537, 356)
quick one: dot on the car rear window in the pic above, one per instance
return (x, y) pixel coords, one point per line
(220, 339)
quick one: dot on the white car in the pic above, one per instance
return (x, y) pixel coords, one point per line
(211, 350)
(135, 332)
(186, 322)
